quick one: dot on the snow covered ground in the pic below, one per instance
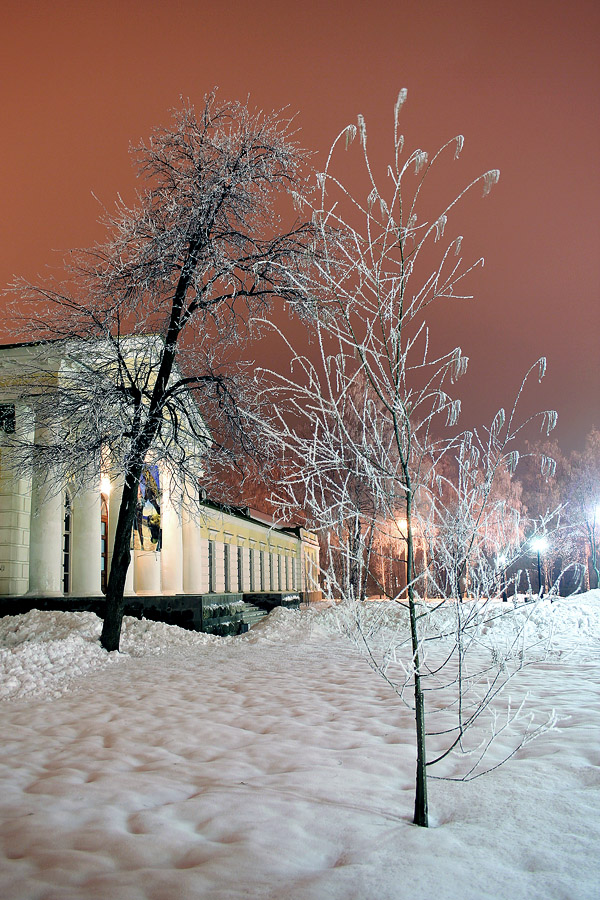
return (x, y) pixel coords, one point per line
(279, 765)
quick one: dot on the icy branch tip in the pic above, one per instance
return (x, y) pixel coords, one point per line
(548, 466)
(549, 421)
(362, 129)
(459, 365)
(490, 179)
(542, 367)
(512, 461)
(499, 420)
(401, 100)
(420, 157)
(439, 226)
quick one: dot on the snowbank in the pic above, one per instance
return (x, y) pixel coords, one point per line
(44, 653)
(279, 766)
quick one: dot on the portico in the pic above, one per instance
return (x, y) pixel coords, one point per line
(209, 549)
(56, 539)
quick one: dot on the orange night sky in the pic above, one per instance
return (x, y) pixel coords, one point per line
(81, 80)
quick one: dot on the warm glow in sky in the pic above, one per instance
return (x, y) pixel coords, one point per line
(520, 79)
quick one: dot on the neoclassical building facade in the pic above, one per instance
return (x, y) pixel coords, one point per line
(56, 543)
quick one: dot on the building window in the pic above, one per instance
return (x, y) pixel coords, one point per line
(227, 567)
(212, 569)
(252, 572)
(7, 418)
(279, 572)
(67, 544)
(262, 570)
(293, 573)
(240, 568)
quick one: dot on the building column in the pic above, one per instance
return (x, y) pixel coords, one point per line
(46, 537)
(171, 554)
(15, 511)
(85, 552)
(147, 572)
(114, 504)
(192, 552)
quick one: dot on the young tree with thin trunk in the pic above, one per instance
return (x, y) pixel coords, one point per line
(148, 324)
(380, 418)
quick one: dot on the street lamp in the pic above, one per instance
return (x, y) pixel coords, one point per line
(539, 545)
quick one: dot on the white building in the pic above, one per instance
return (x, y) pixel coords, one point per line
(56, 545)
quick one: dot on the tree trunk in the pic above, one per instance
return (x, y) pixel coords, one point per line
(113, 615)
(594, 559)
(355, 561)
(121, 557)
(421, 814)
(367, 563)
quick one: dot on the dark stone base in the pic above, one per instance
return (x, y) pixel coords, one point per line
(289, 599)
(211, 613)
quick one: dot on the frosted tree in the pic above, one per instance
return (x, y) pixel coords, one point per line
(584, 502)
(381, 420)
(545, 475)
(148, 323)
(476, 527)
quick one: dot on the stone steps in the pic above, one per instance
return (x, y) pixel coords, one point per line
(252, 614)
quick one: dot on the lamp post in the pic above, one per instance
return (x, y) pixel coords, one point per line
(501, 566)
(539, 545)
(593, 535)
